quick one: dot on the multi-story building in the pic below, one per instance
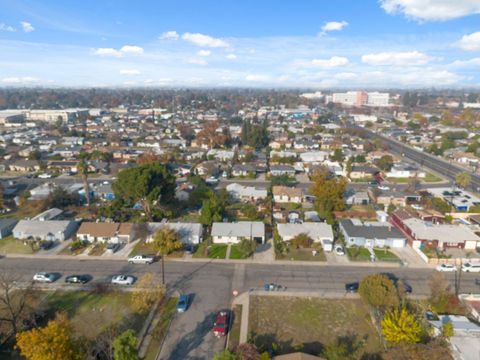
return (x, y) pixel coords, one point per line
(361, 98)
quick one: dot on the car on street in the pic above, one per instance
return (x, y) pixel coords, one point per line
(446, 268)
(398, 282)
(352, 287)
(471, 267)
(123, 280)
(45, 176)
(212, 180)
(383, 187)
(77, 279)
(220, 326)
(182, 304)
(44, 277)
(141, 259)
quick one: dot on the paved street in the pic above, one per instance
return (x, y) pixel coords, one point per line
(211, 285)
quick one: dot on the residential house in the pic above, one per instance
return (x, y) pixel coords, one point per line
(50, 214)
(397, 198)
(362, 171)
(63, 166)
(374, 234)
(286, 194)
(278, 170)
(6, 226)
(405, 171)
(233, 233)
(120, 233)
(189, 233)
(246, 193)
(315, 157)
(208, 168)
(52, 230)
(244, 170)
(317, 231)
(24, 166)
(357, 198)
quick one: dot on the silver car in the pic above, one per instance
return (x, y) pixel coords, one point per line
(44, 277)
(123, 280)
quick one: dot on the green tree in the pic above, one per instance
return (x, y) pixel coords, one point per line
(60, 198)
(125, 346)
(344, 348)
(165, 241)
(225, 355)
(463, 179)
(385, 163)
(328, 192)
(82, 168)
(52, 342)
(212, 210)
(150, 185)
(399, 326)
(337, 156)
(302, 240)
(447, 329)
(379, 291)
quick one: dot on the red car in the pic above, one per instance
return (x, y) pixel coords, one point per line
(220, 326)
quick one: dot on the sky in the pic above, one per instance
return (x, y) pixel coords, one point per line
(319, 44)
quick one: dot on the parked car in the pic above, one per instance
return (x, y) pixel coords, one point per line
(77, 279)
(44, 277)
(446, 267)
(141, 259)
(352, 287)
(471, 267)
(183, 302)
(112, 248)
(339, 250)
(123, 280)
(383, 187)
(220, 326)
(212, 180)
(396, 281)
(46, 245)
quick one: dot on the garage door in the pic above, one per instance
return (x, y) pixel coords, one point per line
(398, 243)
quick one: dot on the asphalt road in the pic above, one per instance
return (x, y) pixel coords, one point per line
(211, 284)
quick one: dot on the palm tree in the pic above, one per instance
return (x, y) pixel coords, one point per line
(165, 241)
(82, 168)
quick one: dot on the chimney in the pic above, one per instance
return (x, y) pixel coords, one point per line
(389, 227)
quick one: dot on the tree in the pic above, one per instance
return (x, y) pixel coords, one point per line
(212, 210)
(225, 355)
(14, 302)
(337, 156)
(148, 157)
(149, 185)
(61, 198)
(379, 291)
(210, 136)
(447, 329)
(148, 290)
(328, 193)
(463, 179)
(437, 349)
(302, 240)
(125, 346)
(52, 342)
(385, 163)
(165, 241)
(344, 348)
(398, 326)
(82, 168)
(247, 351)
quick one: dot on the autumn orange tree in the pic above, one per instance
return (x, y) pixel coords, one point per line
(52, 342)
(210, 136)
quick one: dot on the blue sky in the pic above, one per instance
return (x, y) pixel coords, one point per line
(264, 43)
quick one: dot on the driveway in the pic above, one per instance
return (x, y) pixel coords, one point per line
(334, 259)
(265, 252)
(407, 254)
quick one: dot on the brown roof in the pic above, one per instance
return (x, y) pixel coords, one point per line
(98, 229)
(286, 190)
(125, 229)
(297, 356)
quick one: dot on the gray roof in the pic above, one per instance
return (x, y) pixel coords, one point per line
(315, 230)
(5, 223)
(41, 228)
(244, 229)
(185, 230)
(370, 232)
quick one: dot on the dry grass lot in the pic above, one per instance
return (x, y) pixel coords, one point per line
(311, 322)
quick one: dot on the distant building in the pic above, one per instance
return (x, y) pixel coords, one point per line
(361, 98)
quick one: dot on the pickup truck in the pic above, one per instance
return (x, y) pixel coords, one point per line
(141, 259)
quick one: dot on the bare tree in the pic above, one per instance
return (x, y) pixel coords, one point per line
(15, 302)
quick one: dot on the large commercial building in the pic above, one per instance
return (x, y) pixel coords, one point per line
(361, 98)
(54, 115)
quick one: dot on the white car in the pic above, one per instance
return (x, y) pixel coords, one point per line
(123, 280)
(383, 187)
(45, 176)
(141, 259)
(471, 267)
(446, 268)
(44, 277)
(339, 250)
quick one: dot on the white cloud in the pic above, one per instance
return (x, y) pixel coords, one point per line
(257, 77)
(475, 62)
(169, 35)
(19, 80)
(198, 62)
(131, 49)
(130, 72)
(204, 40)
(346, 76)
(333, 26)
(334, 61)
(8, 28)
(204, 53)
(412, 58)
(470, 42)
(27, 27)
(231, 57)
(432, 10)
(107, 52)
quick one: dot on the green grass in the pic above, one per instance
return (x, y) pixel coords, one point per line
(358, 253)
(143, 248)
(234, 334)
(399, 180)
(98, 249)
(311, 322)
(303, 255)
(431, 178)
(237, 253)
(9, 245)
(200, 252)
(385, 255)
(92, 313)
(160, 331)
(217, 251)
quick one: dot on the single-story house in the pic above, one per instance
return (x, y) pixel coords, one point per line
(232, 233)
(6, 226)
(50, 214)
(246, 193)
(189, 233)
(397, 198)
(106, 232)
(317, 231)
(286, 194)
(54, 230)
(277, 170)
(405, 171)
(357, 198)
(376, 234)
(244, 170)
(362, 171)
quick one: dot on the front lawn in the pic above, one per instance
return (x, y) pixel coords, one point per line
(356, 253)
(431, 178)
(217, 251)
(98, 249)
(303, 255)
(9, 245)
(287, 324)
(385, 255)
(143, 248)
(237, 253)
